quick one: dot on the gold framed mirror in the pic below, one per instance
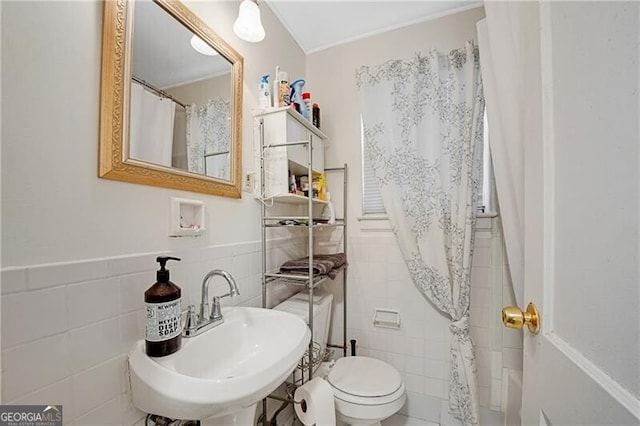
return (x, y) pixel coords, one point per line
(190, 137)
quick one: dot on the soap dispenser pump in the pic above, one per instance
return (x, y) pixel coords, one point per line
(163, 327)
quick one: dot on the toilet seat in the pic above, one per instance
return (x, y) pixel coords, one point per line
(365, 381)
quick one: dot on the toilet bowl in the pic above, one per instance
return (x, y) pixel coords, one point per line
(365, 390)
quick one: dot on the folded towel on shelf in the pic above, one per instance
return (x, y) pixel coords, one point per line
(338, 259)
(323, 264)
(301, 267)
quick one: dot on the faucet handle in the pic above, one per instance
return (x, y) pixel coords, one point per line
(192, 322)
(216, 311)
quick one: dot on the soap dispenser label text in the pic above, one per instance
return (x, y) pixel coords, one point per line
(163, 321)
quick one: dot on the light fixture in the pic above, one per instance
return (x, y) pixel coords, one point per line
(248, 26)
(201, 47)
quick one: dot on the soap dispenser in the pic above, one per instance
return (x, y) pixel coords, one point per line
(163, 327)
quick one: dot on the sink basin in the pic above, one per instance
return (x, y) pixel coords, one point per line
(223, 371)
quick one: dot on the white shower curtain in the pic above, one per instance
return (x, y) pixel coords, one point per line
(423, 128)
(500, 44)
(209, 138)
(151, 128)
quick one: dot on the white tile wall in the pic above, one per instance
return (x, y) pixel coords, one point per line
(378, 277)
(36, 313)
(93, 344)
(60, 393)
(92, 301)
(65, 340)
(67, 328)
(53, 275)
(14, 280)
(511, 348)
(422, 407)
(109, 413)
(100, 383)
(28, 367)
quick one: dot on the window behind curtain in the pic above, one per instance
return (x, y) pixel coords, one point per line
(372, 200)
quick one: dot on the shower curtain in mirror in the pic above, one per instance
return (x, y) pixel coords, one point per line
(422, 122)
(209, 138)
(151, 128)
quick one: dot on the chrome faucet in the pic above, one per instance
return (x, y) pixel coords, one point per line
(208, 319)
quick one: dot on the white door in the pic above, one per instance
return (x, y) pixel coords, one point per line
(582, 192)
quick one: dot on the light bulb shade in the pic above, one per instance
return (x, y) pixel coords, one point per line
(201, 47)
(248, 26)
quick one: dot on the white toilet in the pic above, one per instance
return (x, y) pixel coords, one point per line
(365, 390)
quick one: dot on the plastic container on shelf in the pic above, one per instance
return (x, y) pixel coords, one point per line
(307, 109)
(284, 91)
(264, 94)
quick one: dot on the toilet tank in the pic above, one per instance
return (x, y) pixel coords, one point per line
(298, 304)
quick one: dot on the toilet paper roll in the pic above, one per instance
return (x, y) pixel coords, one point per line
(316, 403)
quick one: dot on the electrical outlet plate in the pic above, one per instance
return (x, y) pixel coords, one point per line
(247, 181)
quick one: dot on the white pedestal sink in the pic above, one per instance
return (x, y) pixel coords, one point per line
(219, 376)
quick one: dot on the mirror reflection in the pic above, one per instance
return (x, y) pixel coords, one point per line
(170, 115)
(180, 99)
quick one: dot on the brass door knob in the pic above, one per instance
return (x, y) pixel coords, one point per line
(513, 317)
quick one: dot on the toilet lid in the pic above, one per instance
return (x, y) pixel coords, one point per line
(364, 377)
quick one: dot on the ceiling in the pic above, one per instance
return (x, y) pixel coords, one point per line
(162, 52)
(164, 58)
(319, 24)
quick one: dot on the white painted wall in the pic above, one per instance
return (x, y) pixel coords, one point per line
(55, 208)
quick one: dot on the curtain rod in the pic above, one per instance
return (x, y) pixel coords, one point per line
(158, 91)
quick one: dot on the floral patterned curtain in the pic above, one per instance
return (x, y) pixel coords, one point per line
(209, 138)
(423, 129)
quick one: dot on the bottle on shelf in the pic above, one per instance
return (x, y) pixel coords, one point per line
(284, 92)
(316, 116)
(295, 96)
(307, 107)
(292, 184)
(264, 94)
